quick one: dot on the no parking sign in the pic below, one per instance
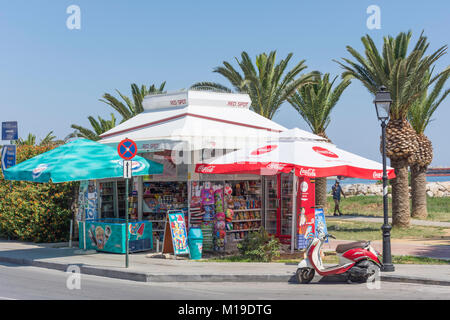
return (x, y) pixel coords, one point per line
(127, 149)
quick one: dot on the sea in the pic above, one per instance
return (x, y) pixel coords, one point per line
(330, 181)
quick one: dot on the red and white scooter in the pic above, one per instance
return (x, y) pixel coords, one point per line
(358, 260)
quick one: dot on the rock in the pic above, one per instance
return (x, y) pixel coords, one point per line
(439, 194)
(433, 189)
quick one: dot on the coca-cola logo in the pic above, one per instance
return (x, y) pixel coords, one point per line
(275, 166)
(307, 172)
(206, 169)
(263, 150)
(377, 175)
(325, 152)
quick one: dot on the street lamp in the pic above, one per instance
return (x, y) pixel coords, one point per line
(383, 103)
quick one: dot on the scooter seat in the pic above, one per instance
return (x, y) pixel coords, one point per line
(341, 248)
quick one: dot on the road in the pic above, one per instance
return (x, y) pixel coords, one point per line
(24, 282)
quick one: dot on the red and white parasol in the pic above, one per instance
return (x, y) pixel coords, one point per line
(307, 158)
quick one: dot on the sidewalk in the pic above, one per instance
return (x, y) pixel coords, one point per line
(415, 222)
(147, 269)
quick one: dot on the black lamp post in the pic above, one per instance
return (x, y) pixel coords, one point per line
(382, 105)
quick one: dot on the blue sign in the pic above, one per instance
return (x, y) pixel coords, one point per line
(321, 225)
(9, 130)
(8, 156)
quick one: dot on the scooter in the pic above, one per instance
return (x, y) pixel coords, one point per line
(357, 260)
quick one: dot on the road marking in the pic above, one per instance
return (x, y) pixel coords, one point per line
(5, 298)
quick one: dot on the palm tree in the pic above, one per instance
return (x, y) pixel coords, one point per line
(315, 102)
(420, 116)
(267, 84)
(133, 105)
(99, 126)
(402, 74)
(31, 140)
(49, 139)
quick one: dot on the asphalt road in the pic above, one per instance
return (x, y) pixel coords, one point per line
(23, 282)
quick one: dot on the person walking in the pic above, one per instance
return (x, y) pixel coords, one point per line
(336, 191)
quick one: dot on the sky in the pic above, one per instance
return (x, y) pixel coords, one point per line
(52, 76)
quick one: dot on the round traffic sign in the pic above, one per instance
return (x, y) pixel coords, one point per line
(127, 149)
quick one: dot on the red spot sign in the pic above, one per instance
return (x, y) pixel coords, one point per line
(127, 149)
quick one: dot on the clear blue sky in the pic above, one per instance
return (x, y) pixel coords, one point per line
(52, 77)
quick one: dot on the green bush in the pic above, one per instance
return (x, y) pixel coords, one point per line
(259, 246)
(38, 212)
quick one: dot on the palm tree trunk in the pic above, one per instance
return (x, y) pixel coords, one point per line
(419, 192)
(400, 194)
(321, 192)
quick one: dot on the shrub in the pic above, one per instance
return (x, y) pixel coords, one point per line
(259, 246)
(38, 212)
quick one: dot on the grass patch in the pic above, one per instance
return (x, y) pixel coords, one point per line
(438, 208)
(356, 230)
(417, 260)
(235, 258)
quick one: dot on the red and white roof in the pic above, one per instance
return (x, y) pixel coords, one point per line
(201, 120)
(307, 158)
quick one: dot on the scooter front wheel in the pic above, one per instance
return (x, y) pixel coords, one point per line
(305, 275)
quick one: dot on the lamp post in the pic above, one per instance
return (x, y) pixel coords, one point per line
(383, 103)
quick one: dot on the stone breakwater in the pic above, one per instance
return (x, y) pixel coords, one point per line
(434, 189)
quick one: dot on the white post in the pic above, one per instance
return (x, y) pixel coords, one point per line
(84, 235)
(71, 232)
(294, 213)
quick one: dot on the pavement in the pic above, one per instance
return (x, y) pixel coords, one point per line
(415, 222)
(145, 269)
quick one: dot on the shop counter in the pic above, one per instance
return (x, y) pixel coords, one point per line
(108, 235)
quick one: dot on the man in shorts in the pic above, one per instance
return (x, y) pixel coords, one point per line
(336, 190)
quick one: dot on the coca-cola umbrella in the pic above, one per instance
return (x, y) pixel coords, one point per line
(306, 158)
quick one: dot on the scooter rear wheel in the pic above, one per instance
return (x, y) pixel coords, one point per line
(305, 275)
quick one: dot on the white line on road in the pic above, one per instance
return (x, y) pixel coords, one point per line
(5, 298)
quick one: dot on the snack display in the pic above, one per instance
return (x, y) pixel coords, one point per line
(158, 198)
(225, 211)
(243, 214)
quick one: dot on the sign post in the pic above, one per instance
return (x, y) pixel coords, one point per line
(8, 156)
(127, 150)
(9, 130)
